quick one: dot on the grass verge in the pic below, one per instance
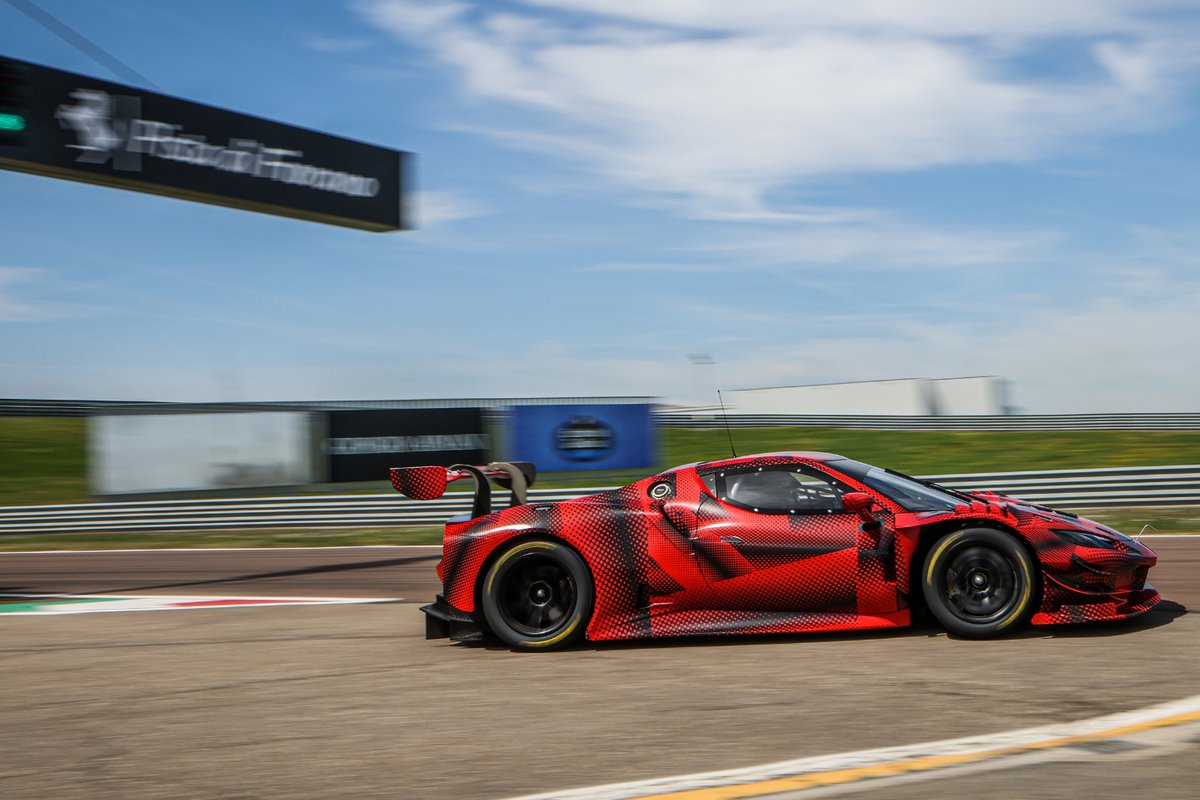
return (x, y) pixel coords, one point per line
(44, 460)
(1134, 519)
(951, 452)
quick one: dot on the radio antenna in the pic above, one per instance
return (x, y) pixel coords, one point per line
(725, 417)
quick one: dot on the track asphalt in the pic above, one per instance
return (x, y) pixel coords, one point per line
(353, 702)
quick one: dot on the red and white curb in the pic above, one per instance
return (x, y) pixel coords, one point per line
(26, 605)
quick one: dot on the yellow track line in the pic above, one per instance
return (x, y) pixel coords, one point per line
(911, 765)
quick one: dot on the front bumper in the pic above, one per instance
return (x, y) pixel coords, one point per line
(444, 621)
(1090, 584)
(1096, 609)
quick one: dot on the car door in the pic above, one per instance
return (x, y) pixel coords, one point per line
(777, 538)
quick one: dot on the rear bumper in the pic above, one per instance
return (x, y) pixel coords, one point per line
(444, 621)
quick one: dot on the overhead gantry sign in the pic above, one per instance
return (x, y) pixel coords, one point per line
(65, 125)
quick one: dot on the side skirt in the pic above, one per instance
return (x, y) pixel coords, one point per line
(740, 623)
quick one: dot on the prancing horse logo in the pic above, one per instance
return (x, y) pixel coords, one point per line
(98, 134)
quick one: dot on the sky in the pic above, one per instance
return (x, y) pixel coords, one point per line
(807, 192)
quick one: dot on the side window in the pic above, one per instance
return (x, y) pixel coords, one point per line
(818, 492)
(781, 490)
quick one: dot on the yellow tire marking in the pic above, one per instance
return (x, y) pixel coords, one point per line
(1025, 597)
(518, 549)
(492, 577)
(933, 557)
(1020, 610)
(548, 642)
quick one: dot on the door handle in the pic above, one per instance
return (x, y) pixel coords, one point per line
(732, 539)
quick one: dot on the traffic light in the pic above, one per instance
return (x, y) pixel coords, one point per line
(14, 103)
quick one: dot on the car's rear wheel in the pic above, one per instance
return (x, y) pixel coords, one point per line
(537, 595)
(979, 582)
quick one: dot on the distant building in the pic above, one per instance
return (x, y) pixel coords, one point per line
(975, 396)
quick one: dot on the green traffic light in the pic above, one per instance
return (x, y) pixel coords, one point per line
(12, 122)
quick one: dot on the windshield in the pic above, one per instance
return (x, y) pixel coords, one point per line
(911, 494)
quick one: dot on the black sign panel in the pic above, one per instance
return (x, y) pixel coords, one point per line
(362, 445)
(71, 126)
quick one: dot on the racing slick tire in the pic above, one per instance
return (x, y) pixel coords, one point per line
(979, 582)
(538, 595)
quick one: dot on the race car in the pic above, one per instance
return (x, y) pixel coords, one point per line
(769, 543)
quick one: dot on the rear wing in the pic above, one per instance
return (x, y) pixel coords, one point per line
(429, 483)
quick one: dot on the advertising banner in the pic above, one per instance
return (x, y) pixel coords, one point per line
(142, 453)
(363, 445)
(576, 437)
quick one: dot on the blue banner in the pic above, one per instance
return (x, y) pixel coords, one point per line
(560, 438)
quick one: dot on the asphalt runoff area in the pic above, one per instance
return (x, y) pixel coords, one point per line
(352, 701)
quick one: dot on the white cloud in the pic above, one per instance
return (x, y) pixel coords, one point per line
(1108, 355)
(883, 242)
(336, 45)
(722, 103)
(650, 266)
(12, 307)
(433, 208)
(1015, 18)
(877, 241)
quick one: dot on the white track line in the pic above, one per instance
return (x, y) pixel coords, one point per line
(841, 769)
(124, 603)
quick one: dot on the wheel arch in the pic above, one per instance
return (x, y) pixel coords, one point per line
(524, 536)
(932, 534)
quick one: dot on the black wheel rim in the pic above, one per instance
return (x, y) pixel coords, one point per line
(981, 583)
(537, 594)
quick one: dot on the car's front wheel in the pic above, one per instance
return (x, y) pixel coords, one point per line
(979, 582)
(537, 595)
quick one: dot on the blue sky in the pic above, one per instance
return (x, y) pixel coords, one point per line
(807, 191)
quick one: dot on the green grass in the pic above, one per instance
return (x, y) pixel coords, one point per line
(951, 452)
(43, 460)
(1162, 519)
(917, 452)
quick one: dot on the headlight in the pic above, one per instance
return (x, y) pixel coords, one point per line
(1085, 539)
(1117, 534)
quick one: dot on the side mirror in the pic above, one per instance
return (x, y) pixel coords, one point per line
(859, 503)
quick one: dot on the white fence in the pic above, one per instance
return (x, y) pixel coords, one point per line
(1068, 489)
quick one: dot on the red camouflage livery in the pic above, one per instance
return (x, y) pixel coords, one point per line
(772, 543)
